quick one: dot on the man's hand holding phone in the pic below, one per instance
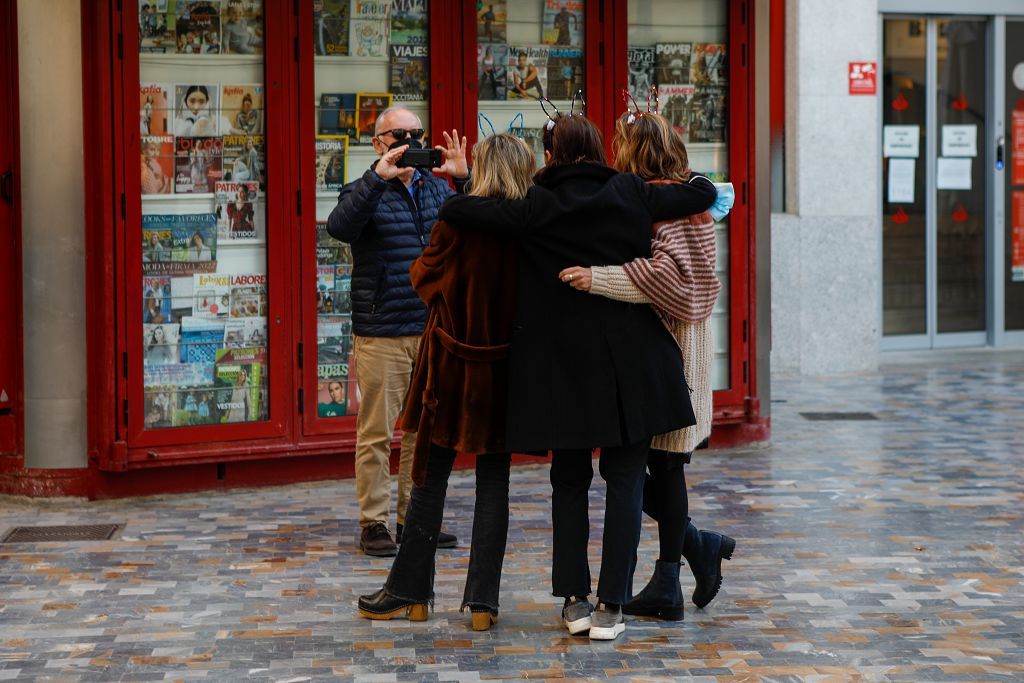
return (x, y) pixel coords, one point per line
(387, 168)
(454, 153)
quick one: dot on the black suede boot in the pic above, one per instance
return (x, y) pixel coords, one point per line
(705, 550)
(662, 597)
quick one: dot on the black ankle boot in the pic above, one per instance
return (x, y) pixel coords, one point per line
(661, 597)
(704, 551)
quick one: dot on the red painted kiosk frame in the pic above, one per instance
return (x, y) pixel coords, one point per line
(110, 69)
(11, 389)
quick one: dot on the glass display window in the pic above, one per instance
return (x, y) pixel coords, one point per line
(198, 256)
(367, 55)
(527, 51)
(680, 50)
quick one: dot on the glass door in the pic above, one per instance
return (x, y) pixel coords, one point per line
(937, 221)
(204, 293)
(1010, 149)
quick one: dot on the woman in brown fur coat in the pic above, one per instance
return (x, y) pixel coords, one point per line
(457, 398)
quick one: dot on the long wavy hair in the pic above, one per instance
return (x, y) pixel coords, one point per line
(650, 148)
(503, 167)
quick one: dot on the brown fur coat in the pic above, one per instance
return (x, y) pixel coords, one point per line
(457, 397)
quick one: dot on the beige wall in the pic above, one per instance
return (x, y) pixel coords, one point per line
(53, 235)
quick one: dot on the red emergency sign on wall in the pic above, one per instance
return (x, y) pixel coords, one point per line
(863, 78)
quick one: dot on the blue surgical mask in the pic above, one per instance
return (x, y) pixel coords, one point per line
(723, 204)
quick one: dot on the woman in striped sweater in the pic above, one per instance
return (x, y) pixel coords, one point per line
(679, 282)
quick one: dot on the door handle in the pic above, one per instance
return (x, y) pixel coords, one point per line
(7, 186)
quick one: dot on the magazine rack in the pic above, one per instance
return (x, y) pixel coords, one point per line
(304, 401)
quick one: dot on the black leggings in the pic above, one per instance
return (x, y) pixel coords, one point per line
(665, 501)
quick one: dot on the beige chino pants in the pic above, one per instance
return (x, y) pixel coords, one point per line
(383, 371)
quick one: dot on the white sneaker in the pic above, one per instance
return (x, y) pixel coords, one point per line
(576, 616)
(607, 624)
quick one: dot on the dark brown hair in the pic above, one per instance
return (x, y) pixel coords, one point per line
(650, 148)
(573, 140)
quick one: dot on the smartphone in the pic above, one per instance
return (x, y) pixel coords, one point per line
(421, 158)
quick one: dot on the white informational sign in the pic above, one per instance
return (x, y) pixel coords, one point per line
(901, 181)
(900, 141)
(953, 173)
(960, 141)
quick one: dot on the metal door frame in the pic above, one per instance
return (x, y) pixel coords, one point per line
(994, 333)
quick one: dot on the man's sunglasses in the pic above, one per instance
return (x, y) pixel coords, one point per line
(401, 133)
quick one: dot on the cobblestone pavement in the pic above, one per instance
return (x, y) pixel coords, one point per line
(878, 550)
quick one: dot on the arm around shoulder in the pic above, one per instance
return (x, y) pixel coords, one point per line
(356, 205)
(673, 200)
(501, 216)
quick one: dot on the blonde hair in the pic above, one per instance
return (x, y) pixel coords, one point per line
(650, 148)
(503, 167)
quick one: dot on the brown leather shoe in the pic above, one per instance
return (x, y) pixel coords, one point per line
(376, 540)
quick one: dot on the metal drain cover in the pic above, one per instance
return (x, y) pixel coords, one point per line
(839, 417)
(50, 534)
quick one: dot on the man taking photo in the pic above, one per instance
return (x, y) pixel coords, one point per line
(387, 218)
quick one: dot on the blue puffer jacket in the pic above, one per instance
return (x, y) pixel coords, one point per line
(388, 229)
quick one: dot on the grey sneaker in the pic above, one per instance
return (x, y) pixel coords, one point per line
(607, 623)
(576, 616)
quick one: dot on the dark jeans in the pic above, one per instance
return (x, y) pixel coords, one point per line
(622, 468)
(412, 574)
(665, 501)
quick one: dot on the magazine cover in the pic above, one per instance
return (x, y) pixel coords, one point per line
(338, 114)
(211, 295)
(249, 295)
(368, 37)
(640, 62)
(330, 27)
(196, 407)
(157, 243)
(325, 289)
(201, 338)
(194, 245)
(197, 164)
(160, 343)
(331, 154)
(707, 64)
(671, 63)
(409, 22)
(355, 397)
(244, 159)
(675, 106)
(707, 116)
(240, 333)
(156, 300)
(368, 106)
(198, 27)
(181, 297)
(492, 66)
(195, 109)
(330, 251)
(563, 23)
(343, 290)
(178, 375)
(241, 26)
(156, 27)
(334, 339)
(239, 377)
(241, 109)
(527, 72)
(332, 398)
(565, 72)
(409, 72)
(491, 22)
(157, 164)
(155, 109)
(158, 406)
(239, 212)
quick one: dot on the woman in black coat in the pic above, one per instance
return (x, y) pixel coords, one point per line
(588, 372)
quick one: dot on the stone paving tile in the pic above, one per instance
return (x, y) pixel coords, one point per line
(884, 550)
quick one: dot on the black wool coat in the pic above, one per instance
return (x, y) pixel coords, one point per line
(586, 371)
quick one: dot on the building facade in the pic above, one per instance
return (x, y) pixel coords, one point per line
(174, 315)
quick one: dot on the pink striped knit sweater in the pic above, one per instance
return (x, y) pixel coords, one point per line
(679, 281)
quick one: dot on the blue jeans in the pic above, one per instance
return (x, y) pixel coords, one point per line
(412, 574)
